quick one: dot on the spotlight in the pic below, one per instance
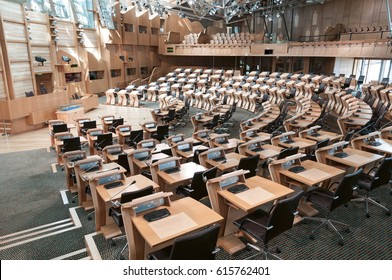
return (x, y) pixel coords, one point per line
(55, 31)
(122, 57)
(65, 58)
(56, 39)
(54, 23)
(40, 59)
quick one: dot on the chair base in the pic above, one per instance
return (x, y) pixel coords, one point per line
(370, 200)
(264, 252)
(330, 224)
(120, 255)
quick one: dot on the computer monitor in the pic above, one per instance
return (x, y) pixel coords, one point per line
(141, 155)
(149, 144)
(110, 178)
(214, 154)
(167, 165)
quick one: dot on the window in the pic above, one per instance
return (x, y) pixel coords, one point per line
(39, 6)
(84, 12)
(73, 77)
(142, 29)
(154, 31)
(372, 69)
(115, 73)
(61, 9)
(128, 27)
(96, 75)
(144, 70)
(131, 71)
(106, 13)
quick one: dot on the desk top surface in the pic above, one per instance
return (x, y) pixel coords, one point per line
(356, 158)
(385, 147)
(324, 135)
(315, 173)
(184, 174)
(254, 197)
(232, 161)
(267, 152)
(106, 167)
(299, 142)
(115, 193)
(197, 215)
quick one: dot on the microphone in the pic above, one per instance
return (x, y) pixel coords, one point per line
(105, 170)
(118, 203)
(149, 156)
(203, 175)
(95, 165)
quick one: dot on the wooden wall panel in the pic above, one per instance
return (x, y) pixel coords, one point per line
(11, 11)
(19, 52)
(66, 34)
(37, 17)
(14, 32)
(39, 34)
(20, 87)
(91, 39)
(2, 87)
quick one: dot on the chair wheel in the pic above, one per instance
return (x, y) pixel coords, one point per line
(311, 237)
(367, 215)
(388, 213)
(341, 242)
(112, 243)
(278, 251)
(89, 218)
(347, 230)
(73, 201)
(122, 258)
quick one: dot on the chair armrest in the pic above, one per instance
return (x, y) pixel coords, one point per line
(256, 223)
(332, 185)
(325, 195)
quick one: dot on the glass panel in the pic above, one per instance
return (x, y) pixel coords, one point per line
(62, 9)
(373, 70)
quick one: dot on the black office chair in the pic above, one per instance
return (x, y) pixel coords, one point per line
(213, 124)
(249, 163)
(57, 128)
(115, 211)
(329, 199)
(319, 144)
(123, 161)
(197, 189)
(197, 152)
(115, 123)
(195, 246)
(162, 132)
(287, 152)
(103, 140)
(71, 144)
(264, 226)
(88, 125)
(170, 116)
(134, 137)
(376, 177)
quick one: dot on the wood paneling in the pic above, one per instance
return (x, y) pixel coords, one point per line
(14, 32)
(66, 34)
(11, 11)
(45, 53)
(39, 34)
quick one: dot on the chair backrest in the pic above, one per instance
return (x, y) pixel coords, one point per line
(287, 152)
(89, 124)
(171, 114)
(281, 216)
(197, 152)
(123, 161)
(59, 128)
(196, 246)
(199, 181)
(215, 120)
(71, 144)
(344, 191)
(129, 196)
(249, 163)
(104, 140)
(320, 144)
(383, 173)
(134, 137)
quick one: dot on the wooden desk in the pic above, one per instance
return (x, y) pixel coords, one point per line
(301, 143)
(229, 147)
(139, 166)
(268, 152)
(105, 223)
(314, 174)
(232, 161)
(93, 138)
(59, 145)
(324, 135)
(234, 206)
(385, 147)
(144, 237)
(183, 177)
(356, 158)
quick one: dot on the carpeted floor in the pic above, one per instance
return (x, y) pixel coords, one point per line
(31, 198)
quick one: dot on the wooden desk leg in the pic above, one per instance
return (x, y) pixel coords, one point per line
(306, 209)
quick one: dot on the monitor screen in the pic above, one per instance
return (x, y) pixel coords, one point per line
(116, 150)
(109, 179)
(74, 158)
(124, 129)
(167, 165)
(288, 164)
(89, 166)
(253, 146)
(177, 139)
(150, 125)
(283, 138)
(141, 155)
(250, 133)
(108, 119)
(213, 155)
(229, 181)
(203, 134)
(150, 144)
(220, 140)
(183, 147)
(95, 133)
(148, 205)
